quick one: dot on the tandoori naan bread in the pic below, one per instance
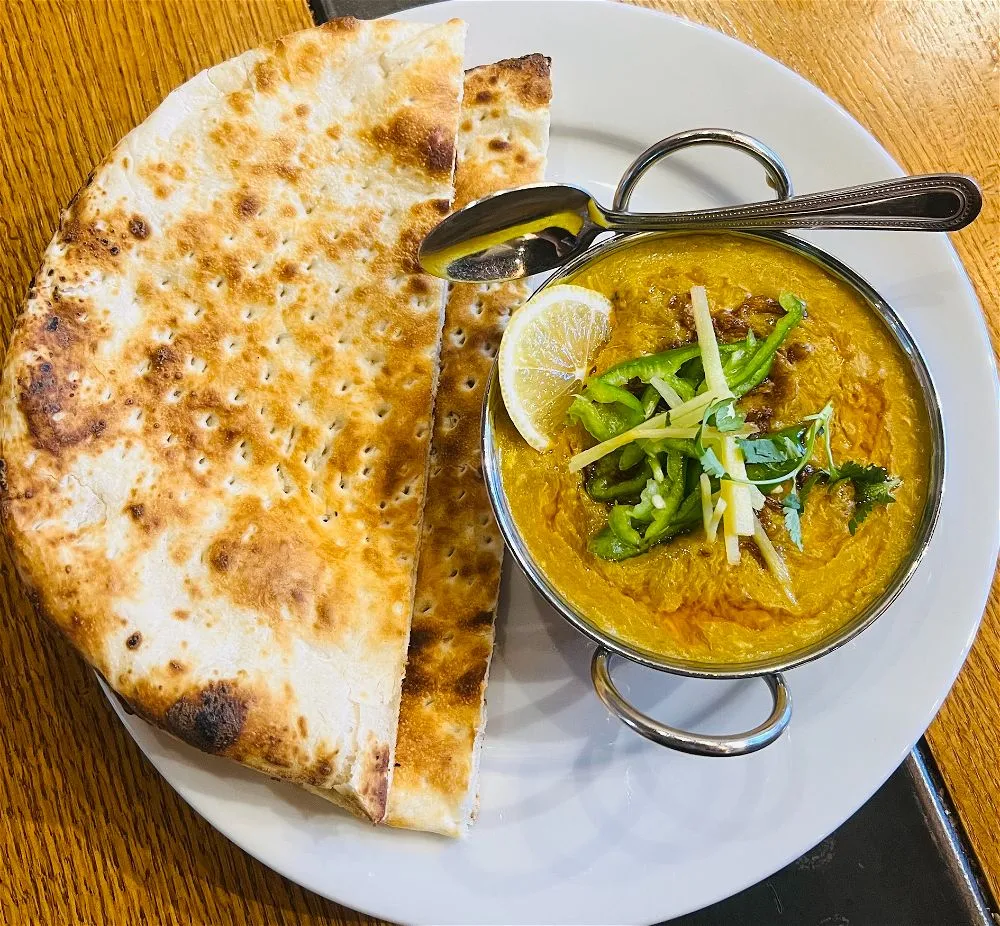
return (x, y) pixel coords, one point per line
(216, 405)
(502, 143)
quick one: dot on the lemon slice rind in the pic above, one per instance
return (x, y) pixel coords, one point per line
(546, 353)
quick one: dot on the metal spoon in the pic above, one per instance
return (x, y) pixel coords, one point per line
(536, 228)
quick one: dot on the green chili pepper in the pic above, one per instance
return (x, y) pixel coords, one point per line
(645, 368)
(672, 494)
(607, 466)
(692, 475)
(667, 365)
(654, 464)
(602, 421)
(682, 445)
(751, 373)
(643, 511)
(621, 524)
(734, 360)
(650, 399)
(632, 455)
(689, 512)
(606, 394)
(607, 545)
(606, 484)
(664, 365)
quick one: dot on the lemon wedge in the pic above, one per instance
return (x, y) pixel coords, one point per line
(546, 353)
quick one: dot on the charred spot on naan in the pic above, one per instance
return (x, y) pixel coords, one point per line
(468, 687)
(265, 75)
(247, 205)
(481, 621)
(529, 79)
(47, 403)
(95, 243)
(239, 101)
(421, 679)
(341, 25)
(210, 718)
(138, 227)
(144, 519)
(374, 785)
(419, 134)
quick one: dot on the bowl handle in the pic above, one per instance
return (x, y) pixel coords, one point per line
(777, 173)
(699, 744)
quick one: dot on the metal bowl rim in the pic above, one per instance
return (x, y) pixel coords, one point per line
(925, 528)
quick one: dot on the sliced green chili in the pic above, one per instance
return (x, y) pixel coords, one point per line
(650, 399)
(607, 394)
(753, 372)
(620, 522)
(604, 486)
(603, 421)
(632, 455)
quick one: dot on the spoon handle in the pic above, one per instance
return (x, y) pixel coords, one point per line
(931, 202)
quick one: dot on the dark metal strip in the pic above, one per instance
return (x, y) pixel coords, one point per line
(941, 821)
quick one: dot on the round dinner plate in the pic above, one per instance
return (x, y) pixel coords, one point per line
(581, 820)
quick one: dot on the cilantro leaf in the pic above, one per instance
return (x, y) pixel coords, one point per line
(804, 435)
(711, 464)
(727, 418)
(861, 474)
(725, 415)
(872, 486)
(792, 507)
(778, 448)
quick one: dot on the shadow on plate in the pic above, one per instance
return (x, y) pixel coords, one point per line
(683, 167)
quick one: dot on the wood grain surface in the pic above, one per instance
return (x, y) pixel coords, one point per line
(89, 834)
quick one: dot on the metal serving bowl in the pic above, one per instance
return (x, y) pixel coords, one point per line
(769, 670)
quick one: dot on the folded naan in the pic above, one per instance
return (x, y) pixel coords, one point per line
(216, 407)
(502, 143)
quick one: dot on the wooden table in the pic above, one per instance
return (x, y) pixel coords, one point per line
(89, 834)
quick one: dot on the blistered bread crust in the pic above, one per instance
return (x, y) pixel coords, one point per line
(216, 405)
(502, 142)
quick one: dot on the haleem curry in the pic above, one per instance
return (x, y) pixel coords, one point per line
(714, 449)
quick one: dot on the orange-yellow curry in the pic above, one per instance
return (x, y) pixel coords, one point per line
(682, 600)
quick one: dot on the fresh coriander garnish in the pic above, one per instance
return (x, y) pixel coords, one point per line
(711, 464)
(792, 507)
(724, 415)
(873, 486)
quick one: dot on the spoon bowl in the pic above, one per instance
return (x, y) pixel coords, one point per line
(513, 234)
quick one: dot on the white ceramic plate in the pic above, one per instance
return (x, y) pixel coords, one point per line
(582, 821)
